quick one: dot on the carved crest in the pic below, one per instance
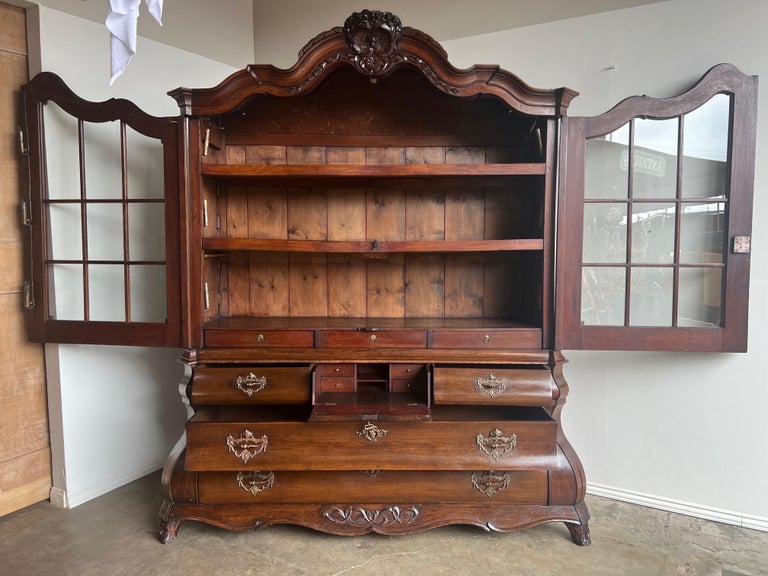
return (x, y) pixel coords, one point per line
(372, 36)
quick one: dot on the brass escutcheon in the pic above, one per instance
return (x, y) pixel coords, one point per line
(496, 445)
(491, 385)
(255, 482)
(372, 433)
(247, 446)
(490, 482)
(251, 384)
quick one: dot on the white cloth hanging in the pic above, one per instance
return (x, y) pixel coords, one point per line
(122, 23)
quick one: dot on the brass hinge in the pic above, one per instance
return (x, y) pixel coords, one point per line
(29, 300)
(23, 149)
(206, 297)
(205, 213)
(26, 219)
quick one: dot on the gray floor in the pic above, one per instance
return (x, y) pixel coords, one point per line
(116, 535)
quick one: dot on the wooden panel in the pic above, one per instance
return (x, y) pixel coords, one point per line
(385, 155)
(269, 284)
(465, 214)
(425, 214)
(307, 215)
(13, 37)
(267, 213)
(386, 214)
(305, 155)
(25, 480)
(386, 287)
(235, 154)
(464, 287)
(347, 284)
(308, 291)
(345, 155)
(425, 155)
(265, 155)
(465, 155)
(389, 486)
(517, 338)
(238, 286)
(425, 286)
(346, 214)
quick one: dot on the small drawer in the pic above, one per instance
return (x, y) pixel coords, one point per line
(372, 339)
(512, 338)
(494, 385)
(250, 384)
(260, 338)
(336, 370)
(333, 384)
(405, 371)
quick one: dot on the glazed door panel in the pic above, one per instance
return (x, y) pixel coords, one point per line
(103, 218)
(655, 221)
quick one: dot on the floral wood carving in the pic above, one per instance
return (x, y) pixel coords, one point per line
(372, 36)
(361, 517)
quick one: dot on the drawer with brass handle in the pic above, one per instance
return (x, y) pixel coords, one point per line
(250, 384)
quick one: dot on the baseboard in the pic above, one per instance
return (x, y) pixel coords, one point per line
(680, 507)
(84, 496)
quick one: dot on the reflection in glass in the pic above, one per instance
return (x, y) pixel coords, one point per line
(106, 289)
(145, 166)
(650, 300)
(654, 162)
(602, 296)
(148, 294)
(105, 231)
(605, 233)
(699, 301)
(653, 233)
(62, 153)
(146, 231)
(705, 149)
(103, 162)
(603, 173)
(66, 293)
(64, 232)
(702, 233)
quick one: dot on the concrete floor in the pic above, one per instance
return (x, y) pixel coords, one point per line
(116, 535)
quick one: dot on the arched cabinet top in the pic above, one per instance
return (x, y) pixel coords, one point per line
(375, 44)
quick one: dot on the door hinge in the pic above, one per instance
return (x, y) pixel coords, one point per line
(26, 220)
(23, 149)
(205, 213)
(206, 297)
(29, 300)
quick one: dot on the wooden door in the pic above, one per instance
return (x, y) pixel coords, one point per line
(25, 455)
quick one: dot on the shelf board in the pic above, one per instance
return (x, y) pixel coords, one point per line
(371, 170)
(372, 247)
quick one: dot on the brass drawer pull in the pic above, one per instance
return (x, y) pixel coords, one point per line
(491, 385)
(247, 445)
(372, 433)
(255, 482)
(251, 384)
(490, 482)
(496, 445)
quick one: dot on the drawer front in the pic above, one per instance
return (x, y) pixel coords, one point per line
(372, 339)
(260, 338)
(487, 385)
(382, 486)
(518, 338)
(435, 445)
(336, 370)
(334, 384)
(251, 385)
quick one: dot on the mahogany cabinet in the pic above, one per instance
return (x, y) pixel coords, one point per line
(373, 261)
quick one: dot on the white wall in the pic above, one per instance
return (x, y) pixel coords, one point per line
(115, 412)
(679, 431)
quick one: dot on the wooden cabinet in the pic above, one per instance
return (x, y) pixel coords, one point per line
(360, 256)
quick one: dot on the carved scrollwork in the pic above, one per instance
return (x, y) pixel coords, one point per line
(251, 384)
(372, 433)
(247, 445)
(372, 36)
(490, 482)
(491, 385)
(255, 482)
(361, 517)
(496, 445)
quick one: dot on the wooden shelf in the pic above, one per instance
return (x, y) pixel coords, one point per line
(371, 247)
(372, 170)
